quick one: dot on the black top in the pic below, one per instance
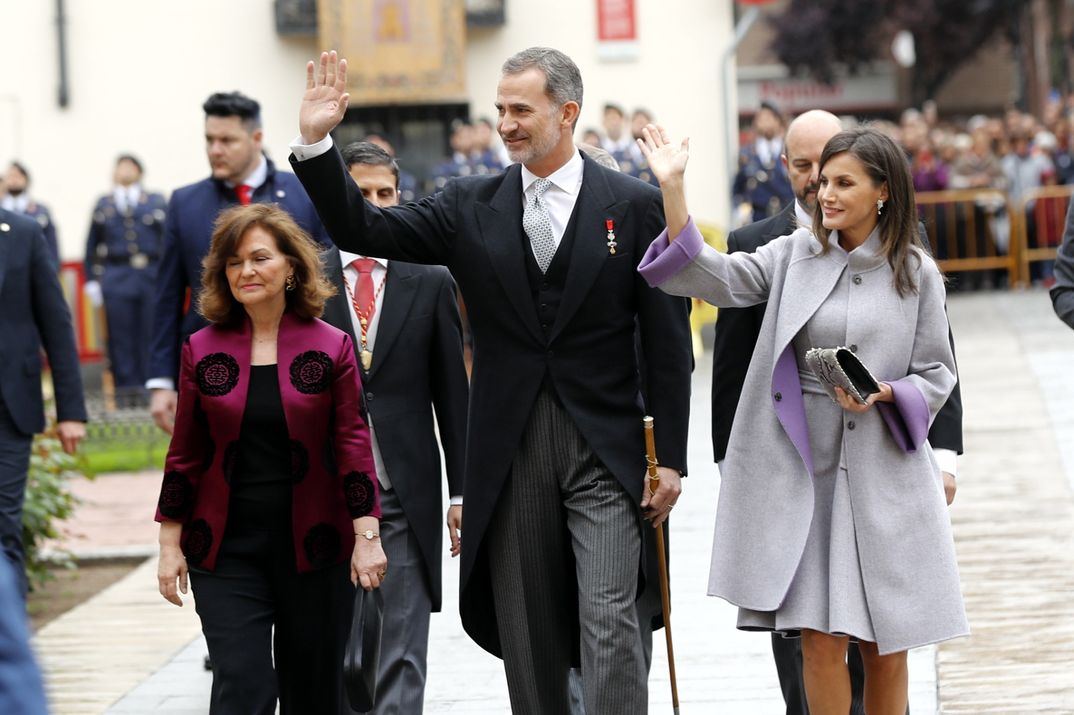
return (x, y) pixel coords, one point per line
(263, 454)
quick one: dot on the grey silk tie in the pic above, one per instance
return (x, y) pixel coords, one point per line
(538, 226)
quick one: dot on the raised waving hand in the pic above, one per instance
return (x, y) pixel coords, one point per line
(667, 161)
(325, 101)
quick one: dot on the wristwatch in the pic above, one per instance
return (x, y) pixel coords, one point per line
(369, 534)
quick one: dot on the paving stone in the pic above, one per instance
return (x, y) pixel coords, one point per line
(1013, 522)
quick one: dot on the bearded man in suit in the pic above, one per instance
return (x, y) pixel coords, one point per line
(545, 256)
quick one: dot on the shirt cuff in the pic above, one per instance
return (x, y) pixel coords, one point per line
(456, 501)
(160, 383)
(310, 151)
(948, 460)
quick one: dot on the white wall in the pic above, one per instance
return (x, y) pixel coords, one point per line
(676, 75)
(139, 72)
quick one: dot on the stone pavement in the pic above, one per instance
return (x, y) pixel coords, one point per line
(1014, 515)
(127, 651)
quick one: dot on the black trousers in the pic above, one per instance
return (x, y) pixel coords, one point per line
(271, 631)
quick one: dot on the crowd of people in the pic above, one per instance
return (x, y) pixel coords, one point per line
(477, 150)
(1013, 154)
(304, 333)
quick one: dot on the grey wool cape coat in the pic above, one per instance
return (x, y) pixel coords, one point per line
(901, 523)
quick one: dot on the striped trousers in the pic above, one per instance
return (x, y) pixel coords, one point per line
(564, 549)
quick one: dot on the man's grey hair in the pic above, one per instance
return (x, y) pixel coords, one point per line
(563, 81)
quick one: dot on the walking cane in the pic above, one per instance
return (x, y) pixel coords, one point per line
(665, 595)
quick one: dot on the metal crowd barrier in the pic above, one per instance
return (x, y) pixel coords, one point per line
(985, 230)
(972, 230)
(1043, 215)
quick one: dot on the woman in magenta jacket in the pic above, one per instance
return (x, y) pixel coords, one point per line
(269, 489)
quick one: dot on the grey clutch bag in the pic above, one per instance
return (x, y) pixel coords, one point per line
(839, 367)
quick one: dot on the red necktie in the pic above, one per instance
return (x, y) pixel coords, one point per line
(245, 193)
(364, 300)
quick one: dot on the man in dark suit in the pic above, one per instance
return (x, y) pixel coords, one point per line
(404, 324)
(736, 335)
(33, 313)
(545, 256)
(122, 253)
(241, 174)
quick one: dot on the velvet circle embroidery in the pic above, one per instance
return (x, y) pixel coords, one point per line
(198, 542)
(358, 493)
(311, 372)
(217, 374)
(176, 493)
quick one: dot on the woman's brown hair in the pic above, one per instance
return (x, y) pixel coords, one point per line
(216, 303)
(884, 162)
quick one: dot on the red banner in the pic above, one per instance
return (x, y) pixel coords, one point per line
(616, 21)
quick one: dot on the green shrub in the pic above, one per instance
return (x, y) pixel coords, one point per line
(48, 502)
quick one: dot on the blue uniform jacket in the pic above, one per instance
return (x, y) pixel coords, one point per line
(123, 249)
(767, 188)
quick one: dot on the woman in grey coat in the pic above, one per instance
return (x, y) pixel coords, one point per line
(831, 520)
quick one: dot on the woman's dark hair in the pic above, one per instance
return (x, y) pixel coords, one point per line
(216, 303)
(884, 162)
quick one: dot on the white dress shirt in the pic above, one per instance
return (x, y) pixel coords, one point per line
(126, 197)
(15, 204)
(768, 150)
(257, 177)
(560, 196)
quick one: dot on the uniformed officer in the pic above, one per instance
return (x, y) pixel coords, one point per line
(762, 187)
(459, 163)
(489, 155)
(617, 140)
(640, 119)
(18, 199)
(122, 252)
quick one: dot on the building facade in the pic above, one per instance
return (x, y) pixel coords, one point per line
(136, 73)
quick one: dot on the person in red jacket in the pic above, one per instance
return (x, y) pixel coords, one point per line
(270, 477)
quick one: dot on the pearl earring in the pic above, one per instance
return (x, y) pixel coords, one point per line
(879, 206)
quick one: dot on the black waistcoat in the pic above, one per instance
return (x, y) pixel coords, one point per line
(547, 288)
